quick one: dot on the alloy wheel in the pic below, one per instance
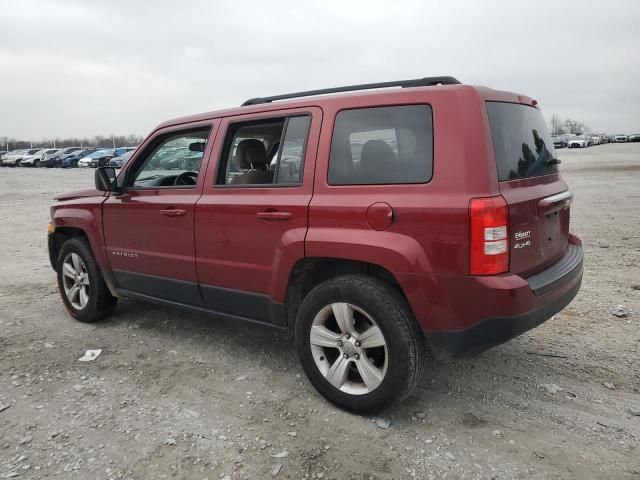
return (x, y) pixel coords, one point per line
(76, 281)
(349, 348)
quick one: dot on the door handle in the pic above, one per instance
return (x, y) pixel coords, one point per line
(274, 215)
(173, 212)
(554, 203)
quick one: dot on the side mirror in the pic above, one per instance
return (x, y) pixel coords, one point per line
(105, 178)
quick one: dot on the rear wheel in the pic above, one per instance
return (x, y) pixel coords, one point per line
(84, 292)
(358, 343)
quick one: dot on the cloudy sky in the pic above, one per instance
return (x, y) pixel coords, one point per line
(81, 67)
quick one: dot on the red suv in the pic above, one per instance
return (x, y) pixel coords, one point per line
(371, 225)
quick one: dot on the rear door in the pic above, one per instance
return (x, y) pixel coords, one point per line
(252, 218)
(529, 180)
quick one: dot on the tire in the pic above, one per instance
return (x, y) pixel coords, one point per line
(99, 301)
(36, 164)
(371, 303)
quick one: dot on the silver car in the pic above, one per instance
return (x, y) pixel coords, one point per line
(35, 159)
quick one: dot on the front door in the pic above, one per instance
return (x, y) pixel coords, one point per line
(149, 228)
(251, 220)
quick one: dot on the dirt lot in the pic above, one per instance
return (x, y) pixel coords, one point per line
(177, 395)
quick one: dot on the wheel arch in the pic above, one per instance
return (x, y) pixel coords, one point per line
(58, 237)
(311, 271)
(72, 222)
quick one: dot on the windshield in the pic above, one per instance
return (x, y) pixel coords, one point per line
(523, 147)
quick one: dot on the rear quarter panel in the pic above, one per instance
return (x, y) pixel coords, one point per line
(429, 233)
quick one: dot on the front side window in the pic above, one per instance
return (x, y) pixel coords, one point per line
(174, 161)
(382, 145)
(265, 152)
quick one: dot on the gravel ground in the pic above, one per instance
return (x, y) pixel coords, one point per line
(177, 395)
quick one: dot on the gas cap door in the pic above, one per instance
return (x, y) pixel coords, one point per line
(379, 216)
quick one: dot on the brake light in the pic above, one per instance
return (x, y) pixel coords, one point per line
(489, 247)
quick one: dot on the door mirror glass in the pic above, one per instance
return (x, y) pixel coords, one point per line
(105, 179)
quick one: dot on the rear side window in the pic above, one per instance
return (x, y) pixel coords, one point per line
(522, 144)
(265, 152)
(382, 145)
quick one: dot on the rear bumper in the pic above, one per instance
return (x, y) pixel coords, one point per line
(495, 331)
(468, 314)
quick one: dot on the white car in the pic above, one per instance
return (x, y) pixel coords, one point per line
(8, 158)
(34, 159)
(86, 161)
(13, 159)
(621, 138)
(578, 142)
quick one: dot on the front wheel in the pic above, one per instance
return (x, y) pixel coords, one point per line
(84, 292)
(359, 343)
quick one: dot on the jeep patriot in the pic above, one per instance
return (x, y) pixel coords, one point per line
(373, 223)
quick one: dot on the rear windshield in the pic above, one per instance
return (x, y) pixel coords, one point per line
(522, 144)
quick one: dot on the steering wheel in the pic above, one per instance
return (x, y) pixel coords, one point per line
(186, 178)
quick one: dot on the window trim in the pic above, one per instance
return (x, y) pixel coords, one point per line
(152, 147)
(226, 145)
(394, 184)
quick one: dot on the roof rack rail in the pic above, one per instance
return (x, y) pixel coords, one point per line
(418, 82)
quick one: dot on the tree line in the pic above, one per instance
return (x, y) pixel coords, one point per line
(100, 141)
(559, 126)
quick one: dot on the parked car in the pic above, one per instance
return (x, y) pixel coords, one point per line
(120, 161)
(35, 159)
(578, 142)
(95, 158)
(634, 137)
(621, 138)
(57, 158)
(559, 141)
(13, 159)
(122, 150)
(8, 159)
(72, 160)
(367, 259)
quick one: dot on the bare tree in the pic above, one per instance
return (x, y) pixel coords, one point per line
(575, 126)
(556, 125)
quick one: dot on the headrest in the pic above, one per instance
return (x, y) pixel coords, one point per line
(376, 153)
(251, 153)
(196, 147)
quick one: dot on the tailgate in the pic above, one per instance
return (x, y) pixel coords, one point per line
(538, 223)
(538, 199)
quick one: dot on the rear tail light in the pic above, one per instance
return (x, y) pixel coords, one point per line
(489, 247)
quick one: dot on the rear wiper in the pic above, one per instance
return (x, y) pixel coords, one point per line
(554, 161)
